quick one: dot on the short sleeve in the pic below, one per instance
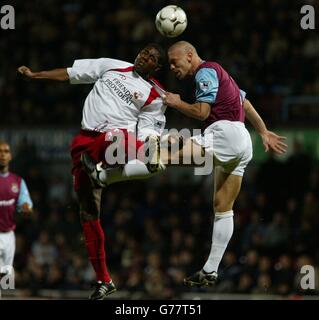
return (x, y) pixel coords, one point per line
(24, 195)
(90, 70)
(207, 85)
(242, 95)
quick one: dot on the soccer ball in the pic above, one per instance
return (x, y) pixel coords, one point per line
(171, 21)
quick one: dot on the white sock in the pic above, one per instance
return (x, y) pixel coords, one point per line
(133, 170)
(222, 233)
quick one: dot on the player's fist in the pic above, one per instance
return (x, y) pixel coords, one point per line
(25, 72)
(26, 209)
(171, 99)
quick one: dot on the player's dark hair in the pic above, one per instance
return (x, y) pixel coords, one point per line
(161, 51)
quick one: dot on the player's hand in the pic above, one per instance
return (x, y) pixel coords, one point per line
(26, 209)
(171, 99)
(25, 72)
(274, 142)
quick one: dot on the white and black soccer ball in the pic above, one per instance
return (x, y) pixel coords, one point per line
(171, 21)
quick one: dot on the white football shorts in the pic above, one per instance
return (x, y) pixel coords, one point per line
(229, 142)
(7, 248)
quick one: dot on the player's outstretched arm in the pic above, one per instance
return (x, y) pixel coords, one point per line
(270, 140)
(56, 74)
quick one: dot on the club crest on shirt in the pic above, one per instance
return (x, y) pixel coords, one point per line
(138, 95)
(122, 76)
(14, 188)
(204, 85)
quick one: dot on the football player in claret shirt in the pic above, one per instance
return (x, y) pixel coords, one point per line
(123, 100)
(222, 107)
(14, 196)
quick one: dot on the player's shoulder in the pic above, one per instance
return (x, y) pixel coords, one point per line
(209, 69)
(118, 64)
(206, 66)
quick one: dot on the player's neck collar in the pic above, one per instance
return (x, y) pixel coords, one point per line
(145, 77)
(198, 67)
(4, 174)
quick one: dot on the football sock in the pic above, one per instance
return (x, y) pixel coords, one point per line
(222, 233)
(94, 242)
(133, 170)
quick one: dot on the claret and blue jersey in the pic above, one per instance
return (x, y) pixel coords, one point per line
(216, 87)
(13, 194)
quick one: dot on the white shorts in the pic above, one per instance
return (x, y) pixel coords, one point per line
(229, 143)
(7, 248)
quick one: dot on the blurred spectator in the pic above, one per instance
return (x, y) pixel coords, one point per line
(254, 233)
(298, 167)
(57, 189)
(277, 233)
(250, 264)
(310, 209)
(229, 273)
(283, 274)
(245, 284)
(43, 250)
(265, 265)
(135, 281)
(264, 284)
(273, 188)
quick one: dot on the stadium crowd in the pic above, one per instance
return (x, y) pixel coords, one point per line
(259, 42)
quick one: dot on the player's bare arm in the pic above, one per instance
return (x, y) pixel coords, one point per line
(55, 74)
(270, 139)
(197, 110)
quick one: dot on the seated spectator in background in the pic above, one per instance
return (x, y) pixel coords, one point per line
(264, 284)
(43, 250)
